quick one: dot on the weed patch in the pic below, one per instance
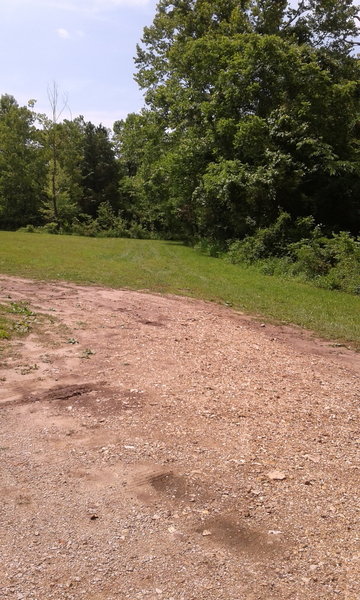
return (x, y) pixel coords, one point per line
(16, 319)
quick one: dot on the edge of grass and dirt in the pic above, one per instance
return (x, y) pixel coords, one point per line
(173, 268)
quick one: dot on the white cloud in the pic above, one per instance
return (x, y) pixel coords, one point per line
(63, 33)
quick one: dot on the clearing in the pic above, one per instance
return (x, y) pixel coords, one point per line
(158, 447)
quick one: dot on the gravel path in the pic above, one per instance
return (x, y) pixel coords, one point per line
(164, 448)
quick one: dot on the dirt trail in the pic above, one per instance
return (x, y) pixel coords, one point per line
(163, 448)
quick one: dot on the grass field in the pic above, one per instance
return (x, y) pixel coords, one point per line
(173, 268)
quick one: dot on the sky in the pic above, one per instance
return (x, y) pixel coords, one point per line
(85, 46)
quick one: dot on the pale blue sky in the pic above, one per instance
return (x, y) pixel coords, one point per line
(86, 46)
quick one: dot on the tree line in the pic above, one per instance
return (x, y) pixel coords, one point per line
(250, 131)
(53, 172)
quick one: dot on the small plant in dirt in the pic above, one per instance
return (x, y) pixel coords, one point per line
(87, 353)
(22, 327)
(26, 369)
(16, 318)
(6, 323)
(21, 308)
(72, 341)
(4, 332)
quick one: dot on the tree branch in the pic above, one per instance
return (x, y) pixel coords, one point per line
(300, 10)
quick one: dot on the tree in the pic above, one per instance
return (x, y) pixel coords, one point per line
(53, 128)
(64, 186)
(260, 104)
(99, 170)
(327, 24)
(22, 165)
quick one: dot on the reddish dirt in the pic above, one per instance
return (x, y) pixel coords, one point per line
(163, 448)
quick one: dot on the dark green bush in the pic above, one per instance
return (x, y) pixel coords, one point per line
(301, 250)
(210, 247)
(334, 263)
(269, 241)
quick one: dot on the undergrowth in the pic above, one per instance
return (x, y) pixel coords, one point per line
(107, 224)
(302, 251)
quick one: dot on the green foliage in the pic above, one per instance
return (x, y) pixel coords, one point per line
(106, 224)
(333, 263)
(329, 25)
(99, 170)
(86, 226)
(329, 262)
(20, 308)
(51, 227)
(5, 325)
(27, 229)
(271, 241)
(258, 107)
(22, 167)
(210, 247)
(266, 242)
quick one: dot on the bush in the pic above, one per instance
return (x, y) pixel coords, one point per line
(50, 228)
(301, 250)
(210, 247)
(279, 266)
(138, 231)
(87, 226)
(333, 262)
(311, 257)
(265, 242)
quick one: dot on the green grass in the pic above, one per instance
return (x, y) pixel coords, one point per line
(169, 267)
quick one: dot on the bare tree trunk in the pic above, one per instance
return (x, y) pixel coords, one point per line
(56, 112)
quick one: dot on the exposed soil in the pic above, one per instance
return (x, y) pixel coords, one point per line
(164, 448)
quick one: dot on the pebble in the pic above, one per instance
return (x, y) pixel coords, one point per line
(276, 475)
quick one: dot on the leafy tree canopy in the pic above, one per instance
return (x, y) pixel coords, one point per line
(259, 105)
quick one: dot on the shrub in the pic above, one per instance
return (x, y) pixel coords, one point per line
(265, 242)
(210, 247)
(50, 228)
(301, 249)
(138, 231)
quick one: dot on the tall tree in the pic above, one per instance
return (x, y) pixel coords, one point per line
(22, 165)
(64, 186)
(100, 170)
(260, 103)
(330, 24)
(52, 128)
(143, 146)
